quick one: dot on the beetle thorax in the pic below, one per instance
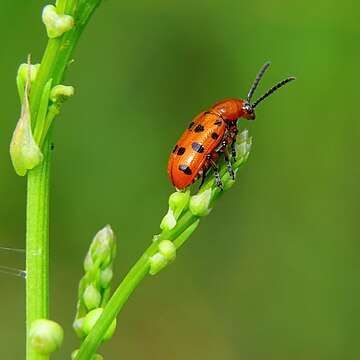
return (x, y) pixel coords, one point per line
(229, 109)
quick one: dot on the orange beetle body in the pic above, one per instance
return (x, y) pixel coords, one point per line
(209, 135)
(204, 136)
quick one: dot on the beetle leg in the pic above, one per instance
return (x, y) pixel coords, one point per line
(233, 150)
(216, 171)
(228, 163)
(226, 154)
(203, 177)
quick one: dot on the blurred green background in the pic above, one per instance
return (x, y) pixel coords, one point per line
(273, 272)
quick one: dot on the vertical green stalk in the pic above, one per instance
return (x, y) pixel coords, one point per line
(37, 244)
(53, 66)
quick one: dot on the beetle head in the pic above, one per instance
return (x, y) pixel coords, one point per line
(248, 111)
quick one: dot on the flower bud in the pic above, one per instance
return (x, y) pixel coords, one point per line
(46, 336)
(243, 136)
(168, 222)
(167, 248)
(157, 263)
(56, 24)
(103, 247)
(243, 144)
(241, 149)
(163, 258)
(25, 153)
(106, 276)
(199, 204)
(78, 326)
(61, 93)
(92, 297)
(92, 317)
(227, 181)
(89, 265)
(21, 77)
(23, 71)
(178, 202)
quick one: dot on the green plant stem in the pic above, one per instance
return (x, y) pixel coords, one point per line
(54, 63)
(128, 285)
(37, 235)
(43, 76)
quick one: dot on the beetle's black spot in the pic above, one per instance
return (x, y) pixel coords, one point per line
(185, 169)
(197, 147)
(191, 125)
(199, 128)
(175, 148)
(214, 135)
(218, 122)
(181, 151)
(207, 112)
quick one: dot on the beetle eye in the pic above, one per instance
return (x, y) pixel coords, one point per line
(248, 108)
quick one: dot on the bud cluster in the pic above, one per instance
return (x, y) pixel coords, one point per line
(95, 286)
(30, 133)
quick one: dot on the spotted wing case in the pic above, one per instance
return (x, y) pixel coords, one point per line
(188, 158)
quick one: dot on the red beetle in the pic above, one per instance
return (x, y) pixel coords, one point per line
(209, 135)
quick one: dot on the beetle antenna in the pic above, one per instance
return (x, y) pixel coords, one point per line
(256, 81)
(270, 91)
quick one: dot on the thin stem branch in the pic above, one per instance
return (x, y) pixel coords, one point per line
(37, 235)
(43, 76)
(128, 285)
